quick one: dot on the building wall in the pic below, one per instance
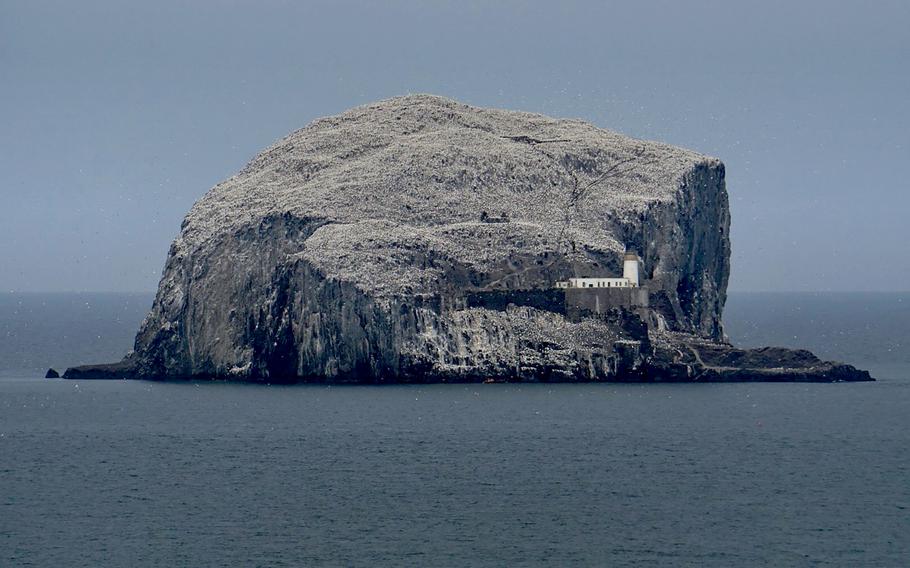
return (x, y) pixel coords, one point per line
(574, 303)
(598, 283)
(586, 301)
(631, 269)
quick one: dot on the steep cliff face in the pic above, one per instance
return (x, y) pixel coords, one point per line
(346, 251)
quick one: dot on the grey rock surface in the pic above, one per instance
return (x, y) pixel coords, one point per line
(346, 252)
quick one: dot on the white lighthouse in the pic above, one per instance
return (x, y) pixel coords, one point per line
(630, 268)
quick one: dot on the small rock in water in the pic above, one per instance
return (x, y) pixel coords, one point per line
(52, 374)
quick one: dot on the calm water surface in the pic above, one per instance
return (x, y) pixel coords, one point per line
(148, 474)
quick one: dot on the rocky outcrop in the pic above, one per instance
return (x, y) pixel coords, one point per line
(125, 369)
(680, 357)
(378, 246)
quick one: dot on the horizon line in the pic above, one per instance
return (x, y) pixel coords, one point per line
(736, 291)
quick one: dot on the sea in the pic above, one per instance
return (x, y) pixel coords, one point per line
(138, 473)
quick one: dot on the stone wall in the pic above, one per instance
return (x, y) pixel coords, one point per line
(551, 300)
(590, 301)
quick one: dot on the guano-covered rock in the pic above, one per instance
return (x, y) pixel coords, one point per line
(419, 239)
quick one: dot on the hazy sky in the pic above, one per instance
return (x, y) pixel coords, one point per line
(116, 116)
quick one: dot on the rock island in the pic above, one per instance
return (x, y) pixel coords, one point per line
(419, 239)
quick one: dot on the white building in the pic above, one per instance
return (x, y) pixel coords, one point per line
(631, 268)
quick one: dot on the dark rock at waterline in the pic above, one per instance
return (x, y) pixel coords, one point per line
(358, 249)
(51, 374)
(668, 361)
(122, 370)
(696, 360)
